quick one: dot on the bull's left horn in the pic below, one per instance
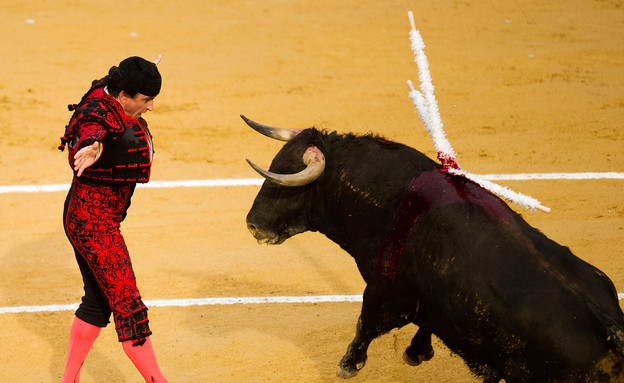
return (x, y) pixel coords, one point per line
(312, 157)
(276, 133)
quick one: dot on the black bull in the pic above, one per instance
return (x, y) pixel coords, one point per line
(443, 253)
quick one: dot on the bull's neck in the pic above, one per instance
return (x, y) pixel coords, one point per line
(356, 211)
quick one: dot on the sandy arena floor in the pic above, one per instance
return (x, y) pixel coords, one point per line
(523, 87)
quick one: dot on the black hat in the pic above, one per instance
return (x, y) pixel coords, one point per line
(139, 76)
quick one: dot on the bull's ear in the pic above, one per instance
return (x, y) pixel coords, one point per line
(312, 157)
(275, 133)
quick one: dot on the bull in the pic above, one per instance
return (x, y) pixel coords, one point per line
(445, 254)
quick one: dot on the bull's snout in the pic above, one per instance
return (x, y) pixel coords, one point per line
(258, 235)
(252, 229)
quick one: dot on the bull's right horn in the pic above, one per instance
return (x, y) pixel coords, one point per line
(276, 133)
(312, 157)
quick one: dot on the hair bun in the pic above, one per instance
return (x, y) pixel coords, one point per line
(114, 81)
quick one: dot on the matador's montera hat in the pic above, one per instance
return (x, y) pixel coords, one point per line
(140, 76)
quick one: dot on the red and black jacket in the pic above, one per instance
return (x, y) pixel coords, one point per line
(127, 154)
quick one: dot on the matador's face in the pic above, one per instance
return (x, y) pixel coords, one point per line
(137, 105)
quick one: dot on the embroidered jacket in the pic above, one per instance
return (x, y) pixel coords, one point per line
(128, 150)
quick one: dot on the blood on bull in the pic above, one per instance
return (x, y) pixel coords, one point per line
(441, 252)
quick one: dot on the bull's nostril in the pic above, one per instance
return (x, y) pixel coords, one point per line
(252, 227)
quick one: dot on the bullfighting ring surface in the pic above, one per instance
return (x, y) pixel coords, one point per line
(523, 87)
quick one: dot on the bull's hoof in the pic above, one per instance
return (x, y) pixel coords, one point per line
(412, 358)
(348, 370)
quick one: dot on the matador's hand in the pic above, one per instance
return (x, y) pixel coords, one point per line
(87, 156)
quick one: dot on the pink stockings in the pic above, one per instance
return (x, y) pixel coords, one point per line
(82, 335)
(144, 360)
(81, 338)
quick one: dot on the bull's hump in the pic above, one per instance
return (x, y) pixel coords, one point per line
(436, 189)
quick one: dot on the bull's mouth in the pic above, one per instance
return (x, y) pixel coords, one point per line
(270, 241)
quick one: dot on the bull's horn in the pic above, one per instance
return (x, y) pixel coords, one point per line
(276, 133)
(312, 157)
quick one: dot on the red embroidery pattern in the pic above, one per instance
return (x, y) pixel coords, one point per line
(92, 223)
(127, 156)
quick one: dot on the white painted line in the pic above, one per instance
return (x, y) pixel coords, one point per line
(37, 309)
(204, 302)
(149, 185)
(553, 176)
(197, 302)
(224, 182)
(203, 183)
(34, 188)
(252, 300)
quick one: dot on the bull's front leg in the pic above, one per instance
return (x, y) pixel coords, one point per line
(355, 357)
(381, 312)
